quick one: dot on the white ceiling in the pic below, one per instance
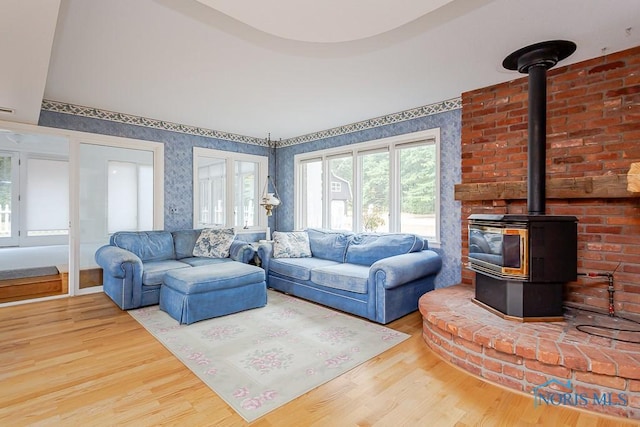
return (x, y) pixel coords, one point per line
(249, 67)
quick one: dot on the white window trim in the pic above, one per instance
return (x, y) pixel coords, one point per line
(230, 157)
(393, 143)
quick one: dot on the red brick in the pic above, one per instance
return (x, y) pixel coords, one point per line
(535, 379)
(572, 358)
(616, 411)
(603, 380)
(505, 343)
(440, 333)
(482, 338)
(468, 344)
(475, 370)
(492, 365)
(512, 371)
(459, 352)
(527, 347)
(598, 361)
(511, 358)
(503, 380)
(628, 366)
(548, 352)
(634, 386)
(553, 370)
(634, 401)
(475, 359)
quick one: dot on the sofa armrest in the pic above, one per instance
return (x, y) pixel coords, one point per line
(112, 259)
(241, 251)
(265, 250)
(397, 270)
(122, 275)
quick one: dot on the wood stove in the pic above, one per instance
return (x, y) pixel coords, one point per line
(523, 261)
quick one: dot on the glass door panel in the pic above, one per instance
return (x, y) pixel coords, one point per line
(34, 216)
(116, 188)
(8, 193)
(212, 187)
(45, 200)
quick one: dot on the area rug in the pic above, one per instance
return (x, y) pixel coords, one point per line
(260, 359)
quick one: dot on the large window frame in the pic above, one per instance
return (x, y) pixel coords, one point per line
(392, 145)
(231, 208)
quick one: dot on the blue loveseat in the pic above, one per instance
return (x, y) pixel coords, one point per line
(376, 276)
(134, 262)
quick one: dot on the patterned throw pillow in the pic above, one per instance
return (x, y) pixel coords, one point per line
(214, 243)
(292, 244)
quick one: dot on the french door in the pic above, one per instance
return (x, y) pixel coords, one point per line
(63, 193)
(9, 173)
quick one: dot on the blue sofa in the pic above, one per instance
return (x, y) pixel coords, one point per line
(134, 262)
(376, 276)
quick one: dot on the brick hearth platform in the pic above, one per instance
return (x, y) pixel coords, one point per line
(524, 356)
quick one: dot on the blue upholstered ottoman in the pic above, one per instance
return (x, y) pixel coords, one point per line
(197, 293)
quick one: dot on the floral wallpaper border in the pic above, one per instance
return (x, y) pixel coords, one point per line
(414, 113)
(96, 113)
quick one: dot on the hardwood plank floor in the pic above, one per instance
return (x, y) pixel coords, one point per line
(82, 361)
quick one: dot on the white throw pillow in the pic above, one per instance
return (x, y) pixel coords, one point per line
(291, 244)
(214, 243)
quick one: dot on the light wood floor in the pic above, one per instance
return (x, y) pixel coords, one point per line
(82, 362)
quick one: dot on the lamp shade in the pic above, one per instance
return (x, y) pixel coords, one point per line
(270, 199)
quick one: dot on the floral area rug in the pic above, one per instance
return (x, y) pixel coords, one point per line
(260, 359)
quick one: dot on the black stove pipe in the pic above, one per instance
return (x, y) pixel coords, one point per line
(535, 60)
(537, 143)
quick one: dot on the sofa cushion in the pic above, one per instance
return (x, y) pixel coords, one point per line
(291, 244)
(214, 242)
(184, 242)
(348, 277)
(148, 245)
(297, 268)
(153, 271)
(367, 248)
(328, 244)
(198, 261)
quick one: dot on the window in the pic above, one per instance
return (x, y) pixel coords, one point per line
(47, 186)
(341, 174)
(311, 191)
(129, 196)
(386, 185)
(34, 196)
(228, 187)
(374, 187)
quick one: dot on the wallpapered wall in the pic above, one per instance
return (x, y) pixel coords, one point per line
(178, 157)
(178, 185)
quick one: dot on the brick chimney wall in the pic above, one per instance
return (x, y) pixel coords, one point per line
(593, 129)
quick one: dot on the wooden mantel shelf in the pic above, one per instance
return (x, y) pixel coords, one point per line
(592, 187)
